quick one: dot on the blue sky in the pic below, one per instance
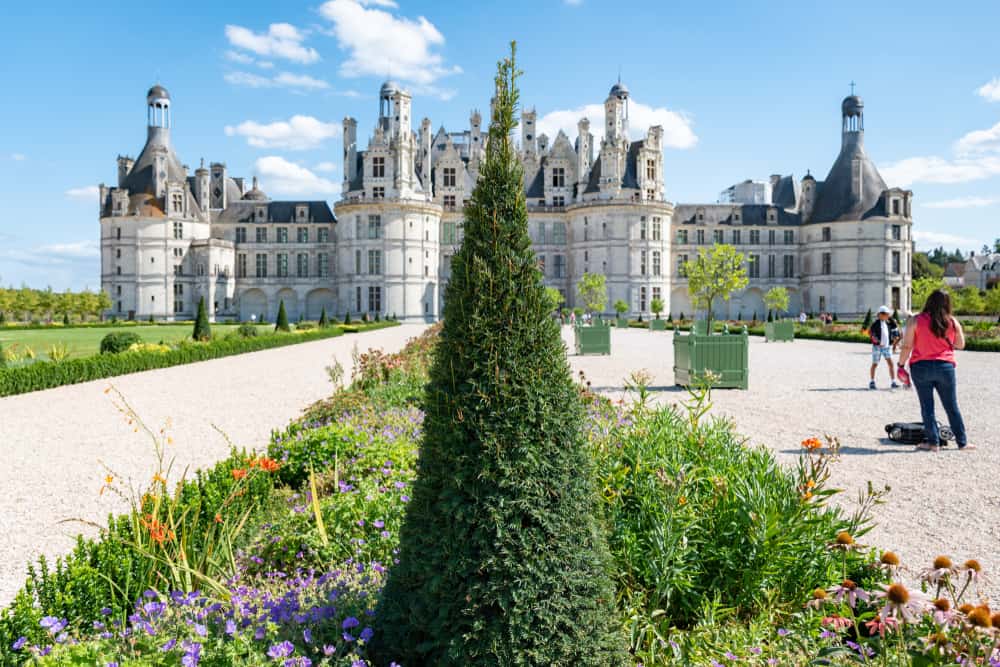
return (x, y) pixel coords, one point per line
(743, 89)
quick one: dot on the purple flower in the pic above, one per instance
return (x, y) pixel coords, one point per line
(169, 645)
(282, 650)
(230, 627)
(307, 636)
(200, 629)
(350, 622)
(782, 632)
(19, 644)
(367, 634)
(731, 656)
(329, 650)
(378, 523)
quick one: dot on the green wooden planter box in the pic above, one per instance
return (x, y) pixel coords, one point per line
(657, 325)
(726, 355)
(622, 323)
(779, 331)
(699, 327)
(593, 339)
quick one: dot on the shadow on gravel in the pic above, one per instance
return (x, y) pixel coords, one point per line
(664, 389)
(864, 389)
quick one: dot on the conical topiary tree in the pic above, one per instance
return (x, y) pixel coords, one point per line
(323, 321)
(347, 318)
(65, 319)
(501, 558)
(282, 322)
(867, 323)
(202, 330)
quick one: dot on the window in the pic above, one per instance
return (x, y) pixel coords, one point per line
(375, 298)
(241, 265)
(541, 264)
(586, 230)
(262, 235)
(700, 237)
(374, 262)
(177, 201)
(261, 215)
(282, 234)
(656, 262)
(642, 263)
(827, 234)
(378, 193)
(118, 233)
(657, 293)
(378, 167)
(178, 297)
(558, 177)
(559, 233)
(895, 261)
(261, 265)
(772, 262)
(118, 290)
(374, 226)
(282, 265)
(323, 264)
(682, 236)
(357, 261)
(642, 228)
(681, 261)
(118, 253)
(771, 216)
(178, 270)
(754, 266)
(448, 232)
(241, 234)
(323, 235)
(717, 236)
(895, 298)
(302, 235)
(827, 264)
(895, 207)
(300, 213)
(657, 229)
(178, 252)
(302, 265)
(789, 268)
(541, 232)
(604, 229)
(789, 237)
(651, 170)
(427, 271)
(754, 237)
(822, 303)
(897, 233)
(118, 270)
(448, 177)
(736, 236)
(770, 237)
(642, 299)
(558, 200)
(559, 266)
(178, 230)
(357, 298)
(358, 228)
(119, 306)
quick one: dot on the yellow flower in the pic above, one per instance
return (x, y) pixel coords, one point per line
(109, 478)
(159, 478)
(682, 500)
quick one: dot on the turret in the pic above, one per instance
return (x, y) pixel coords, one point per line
(584, 153)
(124, 167)
(201, 186)
(219, 197)
(852, 110)
(426, 141)
(350, 151)
(528, 134)
(807, 198)
(158, 115)
(475, 134)
(616, 113)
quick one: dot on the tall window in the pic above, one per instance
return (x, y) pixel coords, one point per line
(682, 236)
(770, 237)
(375, 298)
(897, 233)
(448, 232)
(357, 298)
(558, 200)
(827, 234)
(118, 233)
(895, 298)
(302, 235)
(241, 234)
(262, 235)
(754, 266)
(789, 262)
(449, 202)
(378, 167)
(322, 235)
(789, 237)
(827, 264)
(657, 229)
(282, 265)
(681, 261)
(302, 265)
(178, 297)
(261, 265)
(772, 264)
(651, 170)
(717, 236)
(178, 270)
(754, 237)
(358, 228)
(323, 264)
(642, 263)
(178, 230)
(541, 232)
(822, 303)
(656, 262)
(374, 262)
(374, 226)
(449, 177)
(700, 237)
(282, 233)
(241, 265)
(357, 262)
(559, 233)
(657, 293)
(895, 207)
(558, 177)
(736, 236)
(642, 228)
(895, 261)
(642, 299)
(178, 202)
(559, 266)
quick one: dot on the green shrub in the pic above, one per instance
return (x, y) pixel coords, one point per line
(202, 330)
(501, 558)
(305, 326)
(323, 321)
(281, 324)
(247, 330)
(118, 341)
(347, 318)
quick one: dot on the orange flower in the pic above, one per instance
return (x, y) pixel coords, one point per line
(268, 464)
(239, 473)
(812, 444)
(682, 500)
(218, 518)
(159, 478)
(158, 532)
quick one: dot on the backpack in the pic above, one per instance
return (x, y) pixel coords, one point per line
(912, 433)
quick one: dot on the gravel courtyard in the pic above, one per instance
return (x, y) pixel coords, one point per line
(944, 503)
(54, 442)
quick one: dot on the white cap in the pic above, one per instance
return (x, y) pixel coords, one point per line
(885, 309)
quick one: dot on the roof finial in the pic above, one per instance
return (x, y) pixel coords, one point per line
(619, 73)
(254, 182)
(852, 86)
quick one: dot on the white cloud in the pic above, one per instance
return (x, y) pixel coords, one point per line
(677, 132)
(18, 157)
(934, 169)
(265, 64)
(88, 192)
(990, 90)
(282, 80)
(963, 202)
(381, 44)
(326, 167)
(978, 142)
(926, 239)
(237, 57)
(280, 176)
(56, 253)
(282, 40)
(296, 133)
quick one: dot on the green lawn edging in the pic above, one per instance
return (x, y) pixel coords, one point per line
(48, 374)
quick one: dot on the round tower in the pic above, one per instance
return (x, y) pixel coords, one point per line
(853, 114)
(158, 107)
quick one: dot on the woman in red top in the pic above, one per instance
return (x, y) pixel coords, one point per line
(929, 345)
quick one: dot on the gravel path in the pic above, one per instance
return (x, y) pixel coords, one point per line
(54, 442)
(944, 503)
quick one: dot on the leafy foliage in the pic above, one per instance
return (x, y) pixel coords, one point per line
(202, 330)
(620, 307)
(776, 299)
(118, 341)
(504, 492)
(593, 291)
(282, 322)
(324, 321)
(714, 274)
(656, 305)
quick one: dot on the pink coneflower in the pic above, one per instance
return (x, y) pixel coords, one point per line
(880, 627)
(848, 590)
(939, 573)
(901, 604)
(818, 599)
(836, 622)
(944, 615)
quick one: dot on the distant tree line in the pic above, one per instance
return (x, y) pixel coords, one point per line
(26, 305)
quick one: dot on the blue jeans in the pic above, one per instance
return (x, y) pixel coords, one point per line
(940, 375)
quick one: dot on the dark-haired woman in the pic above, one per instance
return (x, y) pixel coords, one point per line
(929, 345)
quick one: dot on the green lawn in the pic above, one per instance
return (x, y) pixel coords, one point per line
(83, 342)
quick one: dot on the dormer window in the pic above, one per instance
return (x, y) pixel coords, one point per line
(261, 214)
(895, 207)
(772, 216)
(378, 167)
(300, 213)
(177, 202)
(558, 177)
(449, 177)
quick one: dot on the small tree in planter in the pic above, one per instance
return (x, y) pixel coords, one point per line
(776, 299)
(714, 274)
(282, 323)
(554, 297)
(620, 309)
(656, 305)
(202, 330)
(593, 290)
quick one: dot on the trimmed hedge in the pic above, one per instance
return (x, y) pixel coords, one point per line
(48, 374)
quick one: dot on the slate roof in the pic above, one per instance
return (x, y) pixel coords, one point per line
(838, 197)
(277, 211)
(785, 192)
(141, 178)
(722, 214)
